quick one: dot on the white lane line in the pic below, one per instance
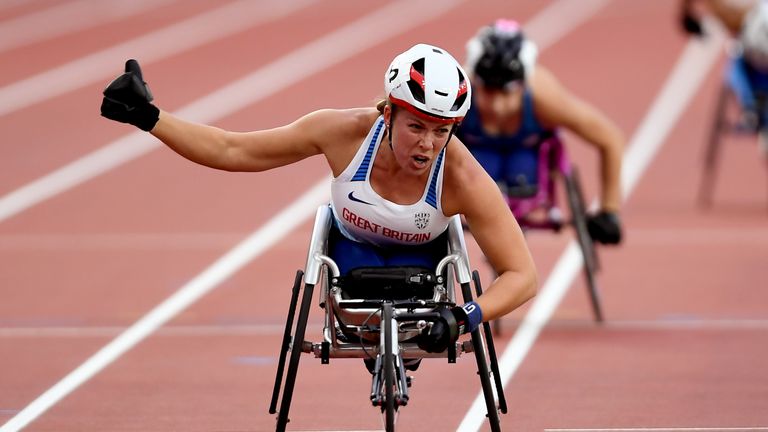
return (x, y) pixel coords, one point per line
(686, 236)
(169, 330)
(117, 241)
(68, 18)
(708, 429)
(8, 4)
(671, 324)
(349, 40)
(254, 245)
(318, 55)
(672, 237)
(198, 30)
(560, 18)
(678, 91)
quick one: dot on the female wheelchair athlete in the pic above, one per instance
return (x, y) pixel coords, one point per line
(535, 206)
(382, 323)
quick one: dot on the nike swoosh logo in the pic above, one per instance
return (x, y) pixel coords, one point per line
(352, 197)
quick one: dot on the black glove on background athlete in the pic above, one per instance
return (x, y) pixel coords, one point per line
(604, 227)
(690, 23)
(452, 323)
(127, 99)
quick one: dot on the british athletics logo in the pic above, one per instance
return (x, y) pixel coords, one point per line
(421, 220)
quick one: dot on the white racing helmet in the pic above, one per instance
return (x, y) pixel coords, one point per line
(754, 36)
(430, 83)
(500, 54)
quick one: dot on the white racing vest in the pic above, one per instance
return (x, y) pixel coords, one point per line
(364, 216)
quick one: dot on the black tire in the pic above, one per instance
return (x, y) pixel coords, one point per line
(587, 247)
(293, 365)
(720, 125)
(389, 369)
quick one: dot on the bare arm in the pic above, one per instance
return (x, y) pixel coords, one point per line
(474, 194)
(557, 107)
(324, 131)
(731, 14)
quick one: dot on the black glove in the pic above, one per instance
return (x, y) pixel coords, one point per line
(127, 99)
(604, 227)
(444, 331)
(691, 25)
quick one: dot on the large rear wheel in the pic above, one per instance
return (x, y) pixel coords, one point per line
(587, 247)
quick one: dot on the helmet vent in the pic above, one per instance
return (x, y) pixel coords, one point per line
(416, 83)
(462, 95)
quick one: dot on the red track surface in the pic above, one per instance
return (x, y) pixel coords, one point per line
(685, 296)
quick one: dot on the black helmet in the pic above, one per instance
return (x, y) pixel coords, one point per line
(500, 54)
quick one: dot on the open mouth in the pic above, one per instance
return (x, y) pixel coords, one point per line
(421, 161)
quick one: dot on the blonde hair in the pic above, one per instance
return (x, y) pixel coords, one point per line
(381, 104)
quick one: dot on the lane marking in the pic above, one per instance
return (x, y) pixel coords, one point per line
(9, 4)
(290, 69)
(170, 331)
(678, 91)
(118, 241)
(560, 18)
(681, 324)
(672, 237)
(713, 429)
(662, 324)
(201, 29)
(253, 246)
(67, 18)
(362, 34)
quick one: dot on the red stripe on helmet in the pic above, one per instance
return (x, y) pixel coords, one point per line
(462, 88)
(418, 77)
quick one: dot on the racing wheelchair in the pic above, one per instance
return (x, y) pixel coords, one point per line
(732, 120)
(375, 314)
(535, 206)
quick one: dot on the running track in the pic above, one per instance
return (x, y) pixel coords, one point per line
(99, 225)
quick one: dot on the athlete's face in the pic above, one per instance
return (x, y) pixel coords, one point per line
(498, 104)
(416, 142)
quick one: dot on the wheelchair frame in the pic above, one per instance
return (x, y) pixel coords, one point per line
(553, 164)
(389, 389)
(728, 120)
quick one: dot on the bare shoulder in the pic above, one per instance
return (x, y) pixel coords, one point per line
(338, 133)
(553, 103)
(333, 125)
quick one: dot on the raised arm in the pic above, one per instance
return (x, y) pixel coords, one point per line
(242, 151)
(128, 99)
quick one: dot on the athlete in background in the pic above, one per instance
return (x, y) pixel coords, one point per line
(517, 104)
